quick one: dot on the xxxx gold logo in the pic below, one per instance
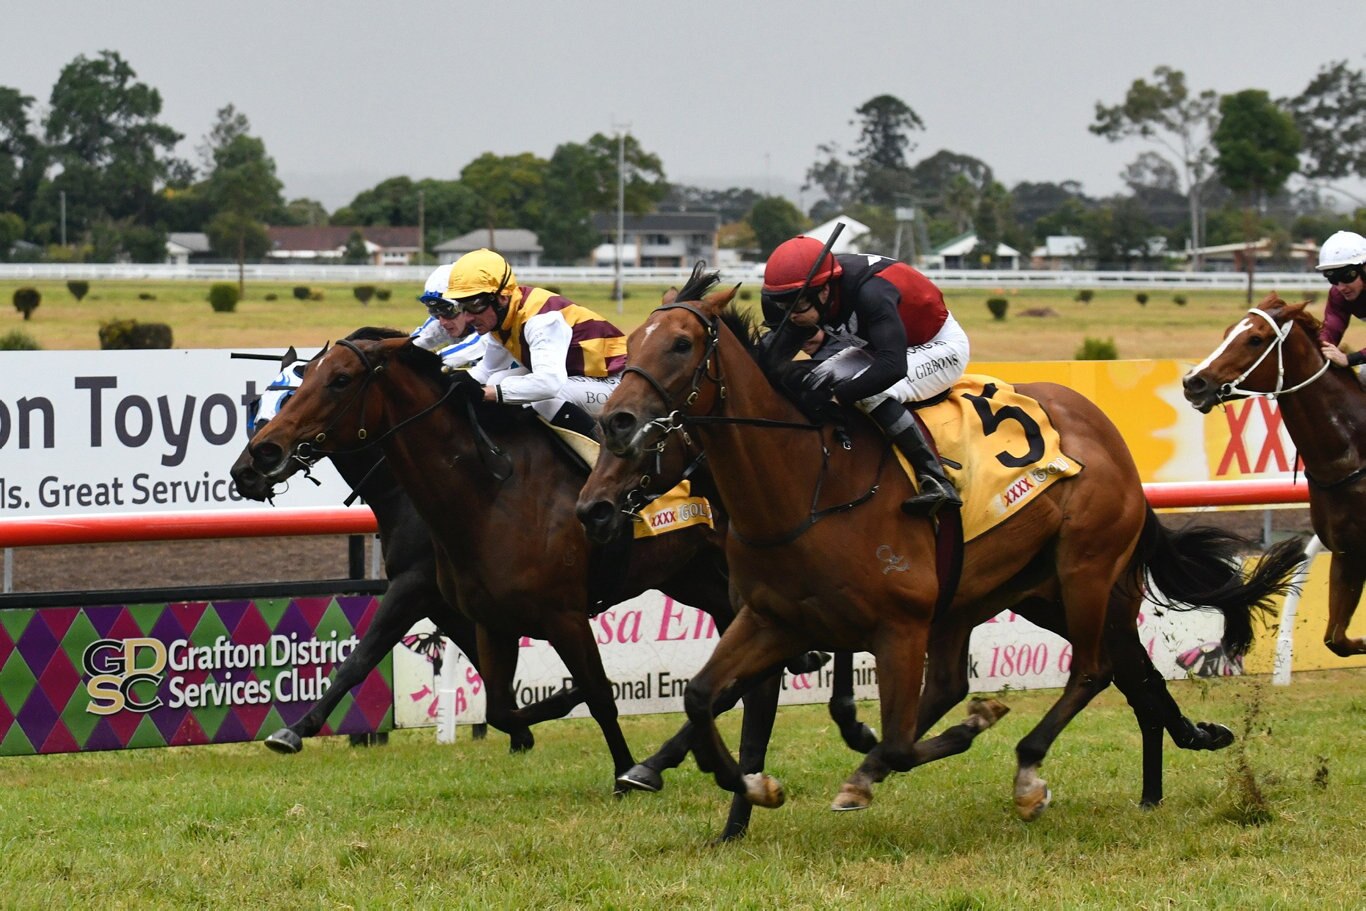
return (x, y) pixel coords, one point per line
(122, 672)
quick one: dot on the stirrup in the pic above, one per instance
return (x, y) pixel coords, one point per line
(933, 497)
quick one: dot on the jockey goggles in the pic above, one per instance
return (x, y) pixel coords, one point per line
(1343, 276)
(442, 307)
(788, 300)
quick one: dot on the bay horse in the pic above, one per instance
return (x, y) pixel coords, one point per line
(1273, 352)
(496, 498)
(822, 556)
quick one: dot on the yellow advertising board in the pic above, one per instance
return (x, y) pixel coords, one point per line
(1169, 439)
(1311, 620)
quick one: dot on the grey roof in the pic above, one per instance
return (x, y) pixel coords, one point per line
(505, 240)
(661, 222)
(193, 241)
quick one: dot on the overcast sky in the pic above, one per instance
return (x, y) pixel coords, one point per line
(347, 93)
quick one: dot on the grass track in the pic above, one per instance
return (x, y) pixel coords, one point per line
(415, 824)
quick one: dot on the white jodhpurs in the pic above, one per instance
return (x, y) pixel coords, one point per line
(931, 368)
(588, 392)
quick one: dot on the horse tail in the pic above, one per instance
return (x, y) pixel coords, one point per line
(1200, 567)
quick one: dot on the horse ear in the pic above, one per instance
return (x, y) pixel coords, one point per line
(719, 300)
(288, 358)
(668, 297)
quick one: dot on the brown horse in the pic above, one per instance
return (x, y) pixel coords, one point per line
(816, 534)
(1273, 351)
(497, 498)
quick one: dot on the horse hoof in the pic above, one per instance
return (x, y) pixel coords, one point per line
(285, 742)
(1216, 735)
(1149, 805)
(851, 797)
(1030, 806)
(522, 742)
(641, 778)
(986, 712)
(764, 791)
(479, 731)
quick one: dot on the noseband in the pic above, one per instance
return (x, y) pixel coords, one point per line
(1282, 332)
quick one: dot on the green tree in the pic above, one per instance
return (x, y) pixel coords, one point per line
(1258, 148)
(581, 179)
(242, 186)
(302, 212)
(11, 230)
(510, 190)
(1165, 112)
(732, 203)
(1331, 116)
(104, 137)
(885, 125)
(774, 220)
(355, 253)
(21, 155)
(834, 177)
(1116, 233)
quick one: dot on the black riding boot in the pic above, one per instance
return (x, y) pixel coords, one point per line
(935, 490)
(573, 418)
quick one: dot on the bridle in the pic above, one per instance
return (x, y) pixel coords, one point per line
(1281, 332)
(677, 421)
(308, 452)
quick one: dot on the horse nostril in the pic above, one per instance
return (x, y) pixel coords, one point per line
(267, 456)
(1194, 383)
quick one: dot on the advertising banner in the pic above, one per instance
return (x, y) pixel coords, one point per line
(141, 675)
(651, 646)
(86, 432)
(1169, 439)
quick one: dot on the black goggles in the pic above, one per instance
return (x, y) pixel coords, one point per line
(789, 300)
(1343, 275)
(478, 303)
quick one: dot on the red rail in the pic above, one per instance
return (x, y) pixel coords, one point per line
(264, 523)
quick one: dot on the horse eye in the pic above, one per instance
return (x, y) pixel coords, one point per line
(340, 381)
(682, 345)
(1256, 341)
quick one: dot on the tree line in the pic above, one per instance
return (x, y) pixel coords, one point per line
(97, 178)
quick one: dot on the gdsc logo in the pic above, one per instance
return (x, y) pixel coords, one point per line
(124, 674)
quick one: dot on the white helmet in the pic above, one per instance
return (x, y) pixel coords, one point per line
(437, 283)
(1345, 248)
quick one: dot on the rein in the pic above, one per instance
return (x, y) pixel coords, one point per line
(678, 420)
(309, 453)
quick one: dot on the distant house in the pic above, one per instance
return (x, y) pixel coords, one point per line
(185, 247)
(1233, 257)
(1059, 252)
(851, 238)
(518, 246)
(384, 246)
(661, 239)
(955, 254)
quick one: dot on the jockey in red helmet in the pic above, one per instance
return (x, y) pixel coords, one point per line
(917, 348)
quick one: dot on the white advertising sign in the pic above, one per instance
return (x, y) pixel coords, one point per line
(85, 432)
(652, 645)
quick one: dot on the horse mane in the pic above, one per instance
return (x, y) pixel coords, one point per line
(1302, 317)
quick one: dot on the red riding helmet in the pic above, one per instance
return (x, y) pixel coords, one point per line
(787, 268)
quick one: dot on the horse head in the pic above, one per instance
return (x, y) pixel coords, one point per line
(328, 414)
(669, 371)
(1261, 354)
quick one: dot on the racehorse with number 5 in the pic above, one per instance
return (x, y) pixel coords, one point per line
(811, 574)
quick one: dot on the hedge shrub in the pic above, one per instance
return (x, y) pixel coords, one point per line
(301, 292)
(1142, 298)
(78, 289)
(19, 340)
(1179, 300)
(383, 293)
(26, 300)
(122, 334)
(1085, 295)
(363, 293)
(1094, 349)
(998, 307)
(223, 297)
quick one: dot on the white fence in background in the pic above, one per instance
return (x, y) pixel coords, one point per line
(751, 273)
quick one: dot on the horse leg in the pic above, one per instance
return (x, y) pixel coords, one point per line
(1345, 577)
(573, 641)
(1085, 594)
(946, 683)
(844, 711)
(498, 660)
(756, 730)
(401, 607)
(747, 649)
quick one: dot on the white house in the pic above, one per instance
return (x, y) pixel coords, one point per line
(854, 233)
(954, 254)
(182, 246)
